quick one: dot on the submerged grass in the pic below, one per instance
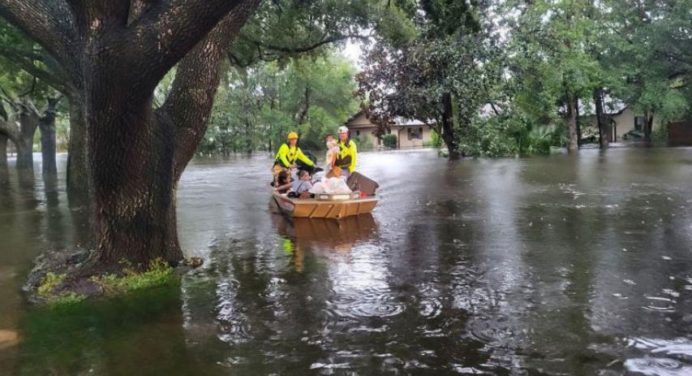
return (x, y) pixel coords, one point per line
(117, 335)
(59, 289)
(50, 291)
(158, 273)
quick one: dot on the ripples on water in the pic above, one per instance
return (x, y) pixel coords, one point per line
(536, 266)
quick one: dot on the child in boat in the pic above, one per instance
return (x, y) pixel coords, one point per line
(332, 152)
(283, 182)
(303, 184)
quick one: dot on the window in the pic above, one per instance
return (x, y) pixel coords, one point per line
(415, 134)
(357, 133)
(639, 123)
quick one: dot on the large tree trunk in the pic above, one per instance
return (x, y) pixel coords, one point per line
(4, 170)
(28, 122)
(46, 125)
(576, 110)
(78, 182)
(448, 130)
(130, 160)
(135, 156)
(601, 119)
(648, 125)
(573, 143)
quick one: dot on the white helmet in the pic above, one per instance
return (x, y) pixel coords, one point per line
(343, 129)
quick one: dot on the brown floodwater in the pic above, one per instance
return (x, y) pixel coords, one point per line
(555, 265)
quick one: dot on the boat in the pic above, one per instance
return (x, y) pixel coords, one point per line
(333, 206)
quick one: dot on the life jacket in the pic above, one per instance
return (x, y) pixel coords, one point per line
(343, 159)
(291, 155)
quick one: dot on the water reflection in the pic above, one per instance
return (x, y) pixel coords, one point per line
(560, 265)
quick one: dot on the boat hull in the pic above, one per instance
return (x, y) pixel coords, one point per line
(311, 208)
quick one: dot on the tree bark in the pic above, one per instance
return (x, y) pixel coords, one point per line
(188, 106)
(648, 126)
(46, 125)
(573, 143)
(448, 132)
(118, 54)
(4, 170)
(28, 122)
(576, 110)
(78, 182)
(601, 119)
(304, 108)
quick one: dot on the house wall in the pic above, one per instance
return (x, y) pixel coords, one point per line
(406, 143)
(624, 122)
(362, 129)
(365, 136)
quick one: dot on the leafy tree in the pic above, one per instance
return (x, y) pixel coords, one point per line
(136, 151)
(651, 49)
(256, 107)
(442, 75)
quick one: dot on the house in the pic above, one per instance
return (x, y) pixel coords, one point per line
(625, 123)
(409, 133)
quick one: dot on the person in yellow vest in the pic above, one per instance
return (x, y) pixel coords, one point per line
(346, 159)
(289, 153)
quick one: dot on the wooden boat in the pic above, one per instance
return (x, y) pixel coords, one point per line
(325, 205)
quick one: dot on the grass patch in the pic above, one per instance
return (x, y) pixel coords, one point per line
(158, 273)
(50, 291)
(50, 282)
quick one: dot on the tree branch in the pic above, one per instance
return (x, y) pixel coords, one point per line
(305, 48)
(51, 26)
(25, 61)
(196, 81)
(9, 128)
(169, 30)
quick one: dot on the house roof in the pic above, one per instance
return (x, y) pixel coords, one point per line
(398, 122)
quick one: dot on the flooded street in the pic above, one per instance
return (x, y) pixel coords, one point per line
(542, 266)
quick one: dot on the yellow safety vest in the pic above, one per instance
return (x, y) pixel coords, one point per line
(287, 156)
(347, 155)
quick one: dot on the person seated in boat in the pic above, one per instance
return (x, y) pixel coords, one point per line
(289, 153)
(283, 182)
(302, 185)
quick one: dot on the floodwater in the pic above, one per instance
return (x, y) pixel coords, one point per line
(541, 266)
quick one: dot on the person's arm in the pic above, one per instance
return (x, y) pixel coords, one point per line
(354, 153)
(285, 186)
(304, 158)
(281, 155)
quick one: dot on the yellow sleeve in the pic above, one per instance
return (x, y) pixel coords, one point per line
(354, 154)
(304, 159)
(281, 155)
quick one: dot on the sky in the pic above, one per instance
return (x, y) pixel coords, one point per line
(353, 51)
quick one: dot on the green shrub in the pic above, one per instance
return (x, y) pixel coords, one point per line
(659, 136)
(435, 141)
(363, 144)
(389, 141)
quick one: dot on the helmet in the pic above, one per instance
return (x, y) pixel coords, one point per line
(292, 135)
(343, 129)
